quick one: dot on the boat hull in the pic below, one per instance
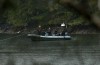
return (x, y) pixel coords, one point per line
(48, 38)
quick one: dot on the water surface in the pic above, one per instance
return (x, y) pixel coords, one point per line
(20, 50)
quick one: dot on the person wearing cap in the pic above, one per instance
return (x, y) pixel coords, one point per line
(64, 30)
(39, 30)
(49, 31)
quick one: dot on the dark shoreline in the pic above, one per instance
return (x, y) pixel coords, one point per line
(77, 32)
(70, 30)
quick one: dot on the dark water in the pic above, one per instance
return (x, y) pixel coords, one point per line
(20, 50)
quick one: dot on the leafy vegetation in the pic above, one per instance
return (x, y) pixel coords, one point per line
(42, 12)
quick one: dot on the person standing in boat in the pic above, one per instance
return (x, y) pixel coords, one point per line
(39, 30)
(64, 29)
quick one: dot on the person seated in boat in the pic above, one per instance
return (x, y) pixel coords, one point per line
(56, 32)
(49, 31)
(46, 33)
(66, 33)
(63, 33)
(43, 32)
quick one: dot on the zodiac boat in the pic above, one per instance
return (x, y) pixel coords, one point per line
(35, 37)
(52, 37)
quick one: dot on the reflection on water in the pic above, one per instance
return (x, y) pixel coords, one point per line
(81, 50)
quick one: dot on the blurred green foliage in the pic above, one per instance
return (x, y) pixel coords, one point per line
(43, 12)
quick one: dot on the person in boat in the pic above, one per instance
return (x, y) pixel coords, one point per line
(63, 33)
(55, 32)
(43, 32)
(39, 30)
(49, 31)
(64, 29)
